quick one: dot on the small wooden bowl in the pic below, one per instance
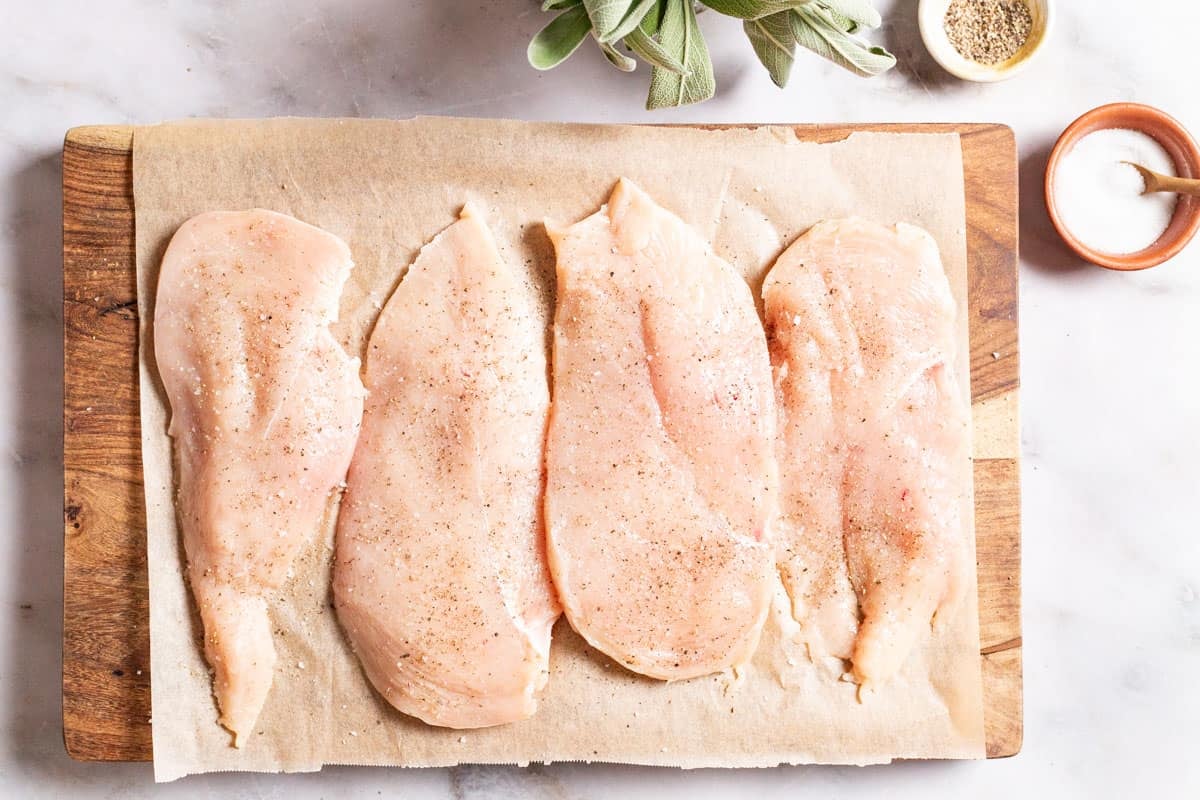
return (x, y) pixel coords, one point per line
(1178, 143)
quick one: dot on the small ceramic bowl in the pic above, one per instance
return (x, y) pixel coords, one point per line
(931, 17)
(1178, 143)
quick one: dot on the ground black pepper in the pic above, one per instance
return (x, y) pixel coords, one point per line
(988, 31)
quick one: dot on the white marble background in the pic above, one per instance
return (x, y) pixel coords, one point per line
(1111, 362)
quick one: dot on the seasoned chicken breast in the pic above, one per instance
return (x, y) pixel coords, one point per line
(265, 409)
(873, 443)
(440, 575)
(661, 477)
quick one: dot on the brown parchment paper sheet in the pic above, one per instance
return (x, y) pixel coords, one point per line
(387, 187)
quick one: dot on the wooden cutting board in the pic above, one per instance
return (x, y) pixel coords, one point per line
(106, 638)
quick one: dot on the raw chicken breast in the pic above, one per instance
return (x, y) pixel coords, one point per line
(440, 576)
(265, 409)
(874, 440)
(661, 477)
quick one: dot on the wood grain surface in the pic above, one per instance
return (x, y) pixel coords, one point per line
(106, 638)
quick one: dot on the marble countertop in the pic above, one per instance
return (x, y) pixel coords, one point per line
(1110, 361)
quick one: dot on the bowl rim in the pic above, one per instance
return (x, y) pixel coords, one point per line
(1113, 115)
(929, 16)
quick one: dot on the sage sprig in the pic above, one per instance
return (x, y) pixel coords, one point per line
(680, 36)
(665, 35)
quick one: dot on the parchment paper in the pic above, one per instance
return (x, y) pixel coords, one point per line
(387, 187)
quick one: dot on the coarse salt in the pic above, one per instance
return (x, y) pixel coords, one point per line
(1099, 197)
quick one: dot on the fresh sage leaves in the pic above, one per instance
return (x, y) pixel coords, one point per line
(859, 12)
(555, 42)
(679, 35)
(617, 59)
(633, 17)
(774, 44)
(647, 48)
(753, 9)
(814, 28)
(606, 15)
(665, 35)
